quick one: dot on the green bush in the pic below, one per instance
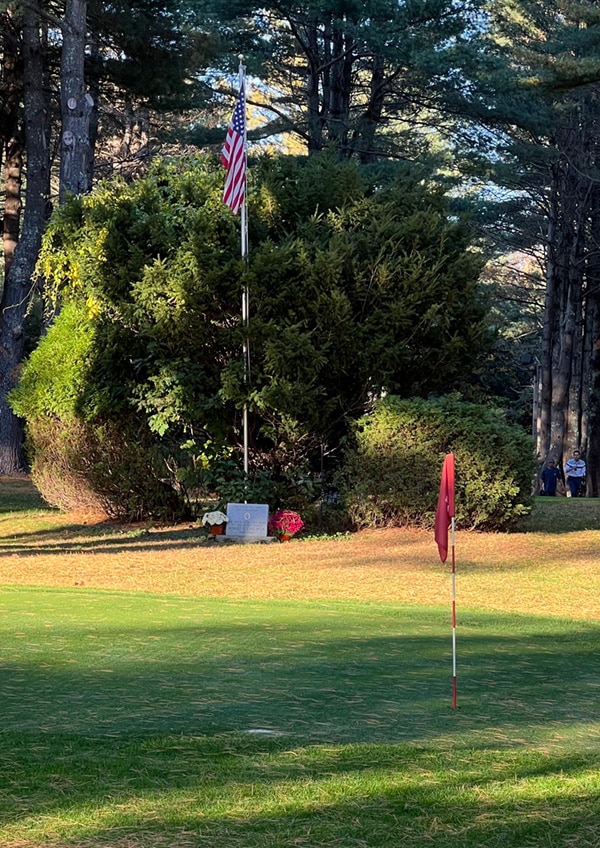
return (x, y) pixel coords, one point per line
(58, 455)
(119, 472)
(358, 286)
(54, 376)
(391, 477)
(80, 459)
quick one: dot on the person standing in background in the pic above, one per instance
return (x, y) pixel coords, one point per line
(549, 477)
(575, 474)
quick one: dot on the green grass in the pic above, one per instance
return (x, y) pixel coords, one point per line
(19, 495)
(563, 515)
(139, 720)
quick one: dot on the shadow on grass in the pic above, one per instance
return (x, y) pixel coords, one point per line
(19, 495)
(111, 664)
(233, 791)
(561, 515)
(138, 708)
(104, 537)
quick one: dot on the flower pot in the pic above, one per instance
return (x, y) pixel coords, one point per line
(217, 529)
(284, 537)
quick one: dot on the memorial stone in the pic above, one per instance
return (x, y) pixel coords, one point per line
(247, 522)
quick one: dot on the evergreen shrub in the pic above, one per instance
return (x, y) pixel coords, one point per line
(58, 455)
(391, 477)
(101, 468)
(358, 285)
(80, 459)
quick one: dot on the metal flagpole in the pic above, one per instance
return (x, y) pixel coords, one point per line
(234, 159)
(245, 293)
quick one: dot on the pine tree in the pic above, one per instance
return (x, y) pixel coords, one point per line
(360, 77)
(531, 110)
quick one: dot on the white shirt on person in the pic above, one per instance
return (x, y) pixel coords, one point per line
(575, 468)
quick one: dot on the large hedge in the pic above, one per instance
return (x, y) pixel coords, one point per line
(391, 476)
(357, 287)
(80, 462)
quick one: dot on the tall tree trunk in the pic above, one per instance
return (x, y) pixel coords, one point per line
(340, 86)
(550, 323)
(76, 105)
(365, 137)
(574, 413)
(570, 358)
(13, 141)
(13, 170)
(93, 75)
(313, 94)
(591, 356)
(18, 284)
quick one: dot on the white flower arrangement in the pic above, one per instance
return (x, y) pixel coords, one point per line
(215, 517)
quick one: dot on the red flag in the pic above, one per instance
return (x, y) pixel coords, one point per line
(445, 506)
(233, 156)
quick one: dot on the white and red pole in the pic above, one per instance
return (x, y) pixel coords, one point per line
(453, 615)
(444, 518)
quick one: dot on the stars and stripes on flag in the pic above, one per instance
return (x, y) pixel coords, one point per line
(233, 157)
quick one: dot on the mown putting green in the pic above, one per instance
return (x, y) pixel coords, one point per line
(139, 719)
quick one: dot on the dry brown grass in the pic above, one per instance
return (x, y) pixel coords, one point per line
(553, 574)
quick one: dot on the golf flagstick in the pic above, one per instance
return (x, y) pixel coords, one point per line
(453, 615)
(444, 518)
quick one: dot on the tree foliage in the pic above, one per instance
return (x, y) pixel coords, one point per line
(552, 127)
(85, 85)
(357, 287)
(391, 476)
(356, 76)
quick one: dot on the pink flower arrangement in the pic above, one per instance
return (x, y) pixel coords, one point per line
(285, 521)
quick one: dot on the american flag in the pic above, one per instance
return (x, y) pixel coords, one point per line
(233, 157)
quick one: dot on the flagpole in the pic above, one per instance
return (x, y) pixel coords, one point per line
(453, 616)
(234, 160)
(245, 292)
(444, 519)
